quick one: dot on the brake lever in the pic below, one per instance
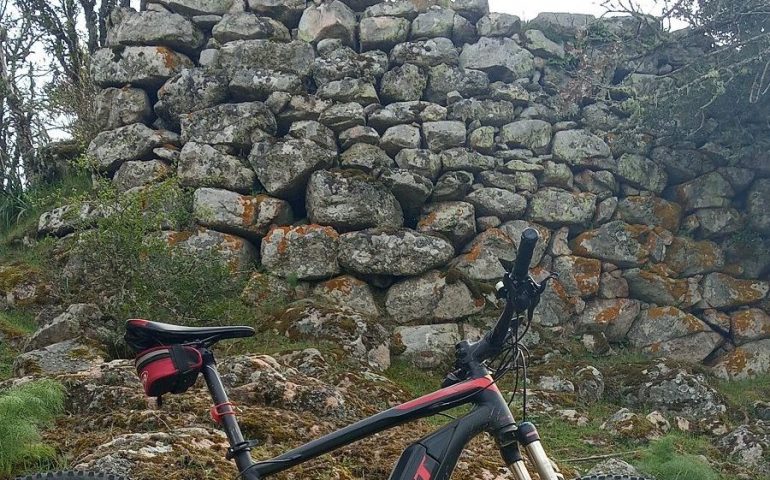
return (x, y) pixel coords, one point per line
(539, 289)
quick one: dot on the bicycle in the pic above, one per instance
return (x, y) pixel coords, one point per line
(170, 358)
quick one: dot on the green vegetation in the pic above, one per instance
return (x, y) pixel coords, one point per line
(741, 394)
(22, 411)
(415, 381)
(663, 461)
(14, 324)
(145, 272)
(20, 210)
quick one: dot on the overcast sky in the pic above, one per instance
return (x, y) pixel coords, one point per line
(528, 10)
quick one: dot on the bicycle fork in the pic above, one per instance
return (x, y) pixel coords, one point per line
(525, 434)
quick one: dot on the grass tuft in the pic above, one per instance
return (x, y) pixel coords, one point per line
(663, 461)
(22, 411)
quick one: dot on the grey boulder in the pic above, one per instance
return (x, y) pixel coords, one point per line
(307, 252)
(284, 168)
(202, 165)
(399, 253)
(233, 124)
(140, 66)
(351, 200)
(244, 215)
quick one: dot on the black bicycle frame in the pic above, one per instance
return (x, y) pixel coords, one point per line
(431, 458)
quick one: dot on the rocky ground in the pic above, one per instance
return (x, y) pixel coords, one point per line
(347, 176)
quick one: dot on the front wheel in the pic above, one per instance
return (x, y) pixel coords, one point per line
(610, 476)
(72, 475)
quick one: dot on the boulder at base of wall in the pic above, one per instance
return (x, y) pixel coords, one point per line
(427, 346)
(349, 292)
(430, 297)
(69, 356)
(670, 332)
(613, 317)
(744, 362)
(239, 254)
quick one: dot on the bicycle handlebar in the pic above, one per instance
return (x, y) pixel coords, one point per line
(529, 239)
(517, 286)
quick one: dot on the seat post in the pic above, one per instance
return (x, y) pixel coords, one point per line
(239, 449)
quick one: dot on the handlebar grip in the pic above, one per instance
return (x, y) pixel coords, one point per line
(529, 239)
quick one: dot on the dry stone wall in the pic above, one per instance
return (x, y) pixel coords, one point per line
(389, 154)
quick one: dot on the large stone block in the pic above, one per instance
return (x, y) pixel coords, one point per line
(429, 298)
(193, 89)
(146, 67)
(307, 252)
(501, 58)
(132, 142)
(400, 253)
(582, 149)
(117, 107)
(233, 124)
(247, 26)
(202, 165)
(245, 215)
(670, 332)
(351, 200)
(382, 33)
(284, 168)
(294, 57)
(556, 206)
(203, 7)
(153, 28)
(331, 19)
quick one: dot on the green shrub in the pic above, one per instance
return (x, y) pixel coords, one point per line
(20, 209)
(14, 324)
(127, 259)
(22, 411)
(663, 462)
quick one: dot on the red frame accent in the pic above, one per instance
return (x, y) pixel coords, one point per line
(216, 415)
(422, 471)
(138, 322)
(482, 383)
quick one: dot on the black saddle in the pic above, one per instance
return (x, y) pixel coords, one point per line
(144, 334)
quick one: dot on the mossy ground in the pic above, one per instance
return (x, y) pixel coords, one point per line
(193, 301)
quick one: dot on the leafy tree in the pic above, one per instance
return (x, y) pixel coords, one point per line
(731, 80)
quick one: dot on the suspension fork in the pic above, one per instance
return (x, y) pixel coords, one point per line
(525, 434)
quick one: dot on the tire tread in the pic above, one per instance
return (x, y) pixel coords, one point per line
(610, 476)
(72, 475)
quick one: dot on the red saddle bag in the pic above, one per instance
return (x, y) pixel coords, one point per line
(168, 369)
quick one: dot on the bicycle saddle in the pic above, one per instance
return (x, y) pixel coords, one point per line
(143, 334)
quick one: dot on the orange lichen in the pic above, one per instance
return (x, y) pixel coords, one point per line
(249, 207)
(175, 238)
(169, 58)
(608, 315)
(735, 362)
(656, 313)
(428, 219)
(474, 254)
(587, 273)
(342, 284)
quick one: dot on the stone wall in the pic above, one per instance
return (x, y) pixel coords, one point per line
(387, 154)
